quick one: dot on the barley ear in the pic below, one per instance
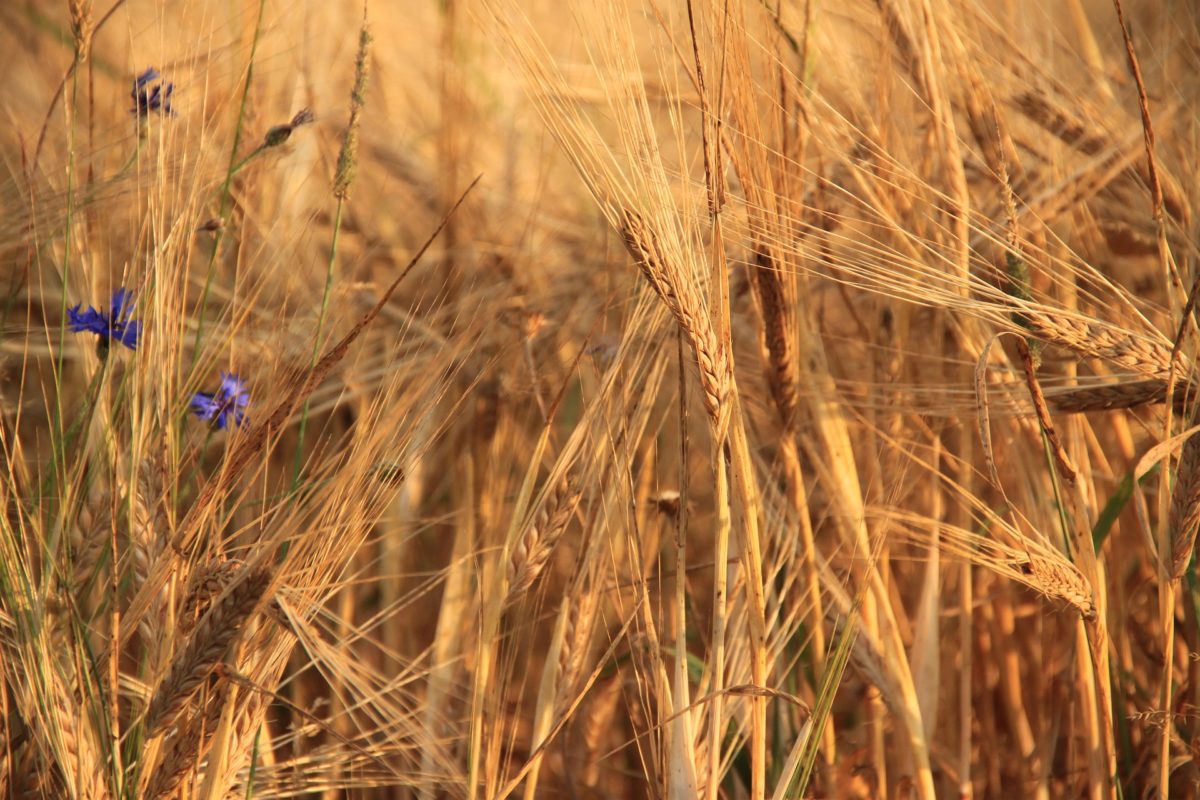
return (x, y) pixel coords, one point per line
(679, 294)
(1185, 509)
(209, 643)
(1060, 580)
(535, 546)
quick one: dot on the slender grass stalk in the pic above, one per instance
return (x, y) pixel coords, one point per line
(342, 182)
(807, 746)
(253, 765)
(226, 193)
(682, 775)
(716, 712)
(318, 342)
(59, 463)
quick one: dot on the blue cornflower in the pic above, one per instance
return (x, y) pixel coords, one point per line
(226, 402)
(115, 324)
(147, 98)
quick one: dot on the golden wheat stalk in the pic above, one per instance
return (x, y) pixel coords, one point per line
(82, 27)
(782, 374)
(79, 763)
(1059, 579)
(206, 585)
(185, 749)
(577, 634)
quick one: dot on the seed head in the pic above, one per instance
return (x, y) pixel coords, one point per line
(279, 134)
(348, 156)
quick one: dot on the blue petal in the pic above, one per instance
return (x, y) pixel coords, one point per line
(91, 321)
(203, 406)
(76, 319)
(122, 303)
(233, 388)
(127, 333)
(141, 80)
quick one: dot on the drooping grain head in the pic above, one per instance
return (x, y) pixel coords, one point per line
(208, 644)
(675, 287)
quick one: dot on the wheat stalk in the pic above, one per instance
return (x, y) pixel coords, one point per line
(207, 584)
(186, 747)
(595, 723)
(577, 633)
(78, 760)
(1060, 580)
(782, 374)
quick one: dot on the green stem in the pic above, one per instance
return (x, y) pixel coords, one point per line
(253, 154)
(1063, 521)
(253, 764)
(316, 351)
(226, 194)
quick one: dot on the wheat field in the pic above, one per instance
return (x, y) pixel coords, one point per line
(489, 399)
